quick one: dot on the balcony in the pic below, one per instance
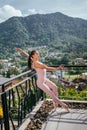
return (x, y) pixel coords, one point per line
(60, 120)
(20, 96)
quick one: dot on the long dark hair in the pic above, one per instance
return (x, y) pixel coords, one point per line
(30, 59)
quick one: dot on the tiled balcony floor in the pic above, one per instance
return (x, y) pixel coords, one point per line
(62, 120)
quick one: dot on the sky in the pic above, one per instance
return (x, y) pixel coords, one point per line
(73, 8)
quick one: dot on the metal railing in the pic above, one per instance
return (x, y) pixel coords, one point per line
(18, 97)
(71, 82)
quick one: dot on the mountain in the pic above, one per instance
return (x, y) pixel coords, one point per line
(57, 30)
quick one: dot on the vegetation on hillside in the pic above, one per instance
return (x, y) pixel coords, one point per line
(55, 30)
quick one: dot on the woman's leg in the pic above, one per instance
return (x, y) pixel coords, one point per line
(52, 86)
(54, 89)
(43, 86)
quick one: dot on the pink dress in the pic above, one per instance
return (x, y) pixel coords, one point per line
(41, 74)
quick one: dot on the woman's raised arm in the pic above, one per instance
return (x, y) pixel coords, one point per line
(23, 52)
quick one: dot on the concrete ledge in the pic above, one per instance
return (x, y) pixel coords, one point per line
(69, 101)
(74, 101)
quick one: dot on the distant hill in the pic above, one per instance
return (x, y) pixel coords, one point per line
(57, 30)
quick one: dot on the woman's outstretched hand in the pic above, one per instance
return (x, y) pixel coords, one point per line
(61, 67)
(19, 49)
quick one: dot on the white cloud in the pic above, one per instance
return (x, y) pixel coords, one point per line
(34, 11)
(8, 11)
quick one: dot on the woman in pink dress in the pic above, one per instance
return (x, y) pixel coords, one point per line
(42, 81)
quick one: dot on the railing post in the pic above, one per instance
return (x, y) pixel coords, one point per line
(5, 109)
(61, 73)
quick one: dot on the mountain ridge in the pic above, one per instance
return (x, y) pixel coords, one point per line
(54, 29)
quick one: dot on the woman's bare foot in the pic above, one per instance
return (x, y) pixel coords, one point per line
(55, 105)
(65, 106)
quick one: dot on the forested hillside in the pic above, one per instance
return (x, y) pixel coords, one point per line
(57, 30)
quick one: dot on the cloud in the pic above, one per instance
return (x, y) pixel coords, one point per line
(8, 11)
(34, 11)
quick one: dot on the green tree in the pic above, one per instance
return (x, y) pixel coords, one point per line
(65, 59)
(1, 66)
